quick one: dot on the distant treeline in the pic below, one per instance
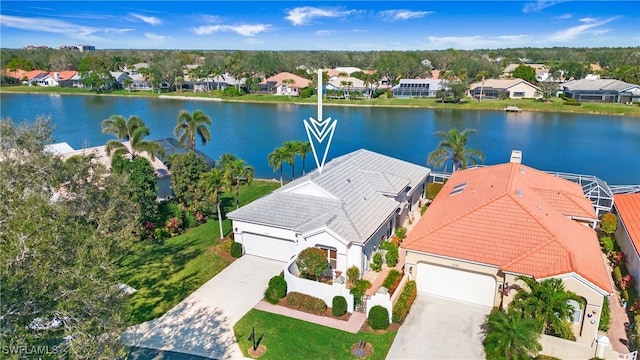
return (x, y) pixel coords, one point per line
(405, 64)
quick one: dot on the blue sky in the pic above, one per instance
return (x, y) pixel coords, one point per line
(316, 25)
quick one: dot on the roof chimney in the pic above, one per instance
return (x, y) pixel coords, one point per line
(516, 156)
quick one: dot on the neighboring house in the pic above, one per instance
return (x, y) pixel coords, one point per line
(69, 78)
(627, 207)
(357, 202)
(489, 224)
(417, 88)
(542, 72)
(163, 176)
(347, 69)
(218, 82)
(278, 84)
(347, 85)
(602, 90)
(507, 89)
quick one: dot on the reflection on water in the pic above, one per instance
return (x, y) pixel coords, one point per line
(605, 146)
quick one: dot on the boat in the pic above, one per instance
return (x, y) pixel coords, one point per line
(510, 108)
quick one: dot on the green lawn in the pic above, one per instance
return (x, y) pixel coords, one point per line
(287, 338)
(165, 274)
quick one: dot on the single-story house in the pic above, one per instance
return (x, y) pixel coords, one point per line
(490, 224)
(412, 88)
(627, 207)
(68, 78)
(347, 69)
(348, 210)
(509, 89)
(602, 90)
(542, 71)
(284, 83)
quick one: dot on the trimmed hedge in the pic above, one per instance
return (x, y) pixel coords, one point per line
(338, 306)
(378, 318)
(277, 289)
(617, 275)
(306, 302)
(605, 317)
(607, 244)
(392, 280)
(236, 249)
(376, 264)
(405, 300)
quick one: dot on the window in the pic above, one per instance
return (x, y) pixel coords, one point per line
(332, 256)
(576, 317)
(518, 94)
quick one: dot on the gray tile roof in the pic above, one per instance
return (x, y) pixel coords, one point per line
(597, 84)
(362, 186)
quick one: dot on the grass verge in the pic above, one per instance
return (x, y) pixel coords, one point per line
(287, 338)
(165, 274)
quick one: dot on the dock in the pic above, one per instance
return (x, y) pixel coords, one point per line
(512, 109)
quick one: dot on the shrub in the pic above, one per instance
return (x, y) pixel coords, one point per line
(572, 102)
(626, 282)
(389, 94)
(618, 258)
(392, 280)
(607, 244)
(617, 275)
(189, 220)
(231, 91)
(405, 300)
(236, 249)
(605, 317)
(378, 92)
(312, 262)
(625, 295)
(353, 274)
(306, 93)
(376, 264)
(391, 258)
(378, 318)
(608, 223)
(359, 288)
(401, 232)
(306, 302)
(338, 306)
(423, 209)
(432, 190)
(277, 289)
(161, 234)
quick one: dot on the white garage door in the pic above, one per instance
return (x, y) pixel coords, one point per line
(268, 247)
(456, 284)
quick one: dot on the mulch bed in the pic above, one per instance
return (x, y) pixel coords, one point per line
(360, 351)
(258, 352)
(392, 327)
(327, 312)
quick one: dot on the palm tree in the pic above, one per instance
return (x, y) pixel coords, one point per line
(302, 149)
(276, 159)
(291, 149)
(225, 161)
(191, 126)
(239, 170)
(507, 335)
(547, 302)
(127, 83)
(132, 130)
(289, 84)
(453, 147)
(212, 181)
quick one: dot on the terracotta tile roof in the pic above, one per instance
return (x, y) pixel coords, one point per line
(33, 73)
(64, 75)
(628, 208)
(514, 217)
(299, 82)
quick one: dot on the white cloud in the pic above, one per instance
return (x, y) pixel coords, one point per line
(539, 5)
(302, 15)
(45, 25)
(244, 30)
(324, 32)
(564, 17)
(151, 20)
(477, 41)
(155, 37)
(588, 27)
(400, 14)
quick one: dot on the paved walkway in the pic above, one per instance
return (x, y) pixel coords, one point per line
(353, 325)
(202, 324)
(617, 332)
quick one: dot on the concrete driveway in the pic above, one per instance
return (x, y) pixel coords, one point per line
(438, 328)
(202, 324)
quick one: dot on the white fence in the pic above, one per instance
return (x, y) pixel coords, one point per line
(317, 289)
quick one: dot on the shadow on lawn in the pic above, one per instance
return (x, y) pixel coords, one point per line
(186, 329)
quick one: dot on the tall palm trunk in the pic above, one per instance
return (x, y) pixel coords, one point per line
(281, 176)
(237, 193)
(304, 171)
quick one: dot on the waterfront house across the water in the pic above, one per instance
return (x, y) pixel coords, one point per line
(602, 90)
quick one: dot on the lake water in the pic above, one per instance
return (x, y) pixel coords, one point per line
(601, 145)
